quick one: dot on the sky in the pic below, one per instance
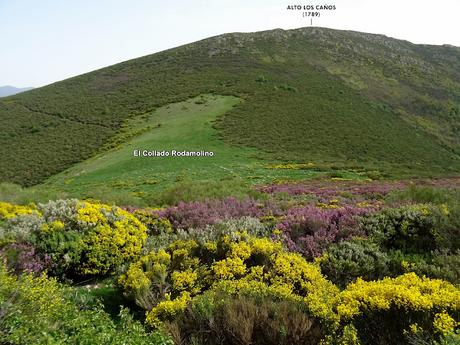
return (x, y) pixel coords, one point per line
(50, 40)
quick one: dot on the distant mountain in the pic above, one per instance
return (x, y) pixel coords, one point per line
(11, 90)
(307, 95)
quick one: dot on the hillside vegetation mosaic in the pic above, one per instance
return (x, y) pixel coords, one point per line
(327, 214)
(308, 95)
(328, 262)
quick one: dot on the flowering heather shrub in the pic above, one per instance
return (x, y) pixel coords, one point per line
(199, 214)
(20, 257)
(326, 190)
(309, 230)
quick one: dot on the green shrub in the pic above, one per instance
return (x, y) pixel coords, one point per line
(348, 260)
(425, 195)
(217, 318)
(442, 266)
(438, 265)
(232, 227)
(447, 230)
(41, 311)
(409, 228)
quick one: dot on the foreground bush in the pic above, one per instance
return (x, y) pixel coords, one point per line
(384, 311)
(218, 318)
(163, 281)
(41, 311)
(81, 238)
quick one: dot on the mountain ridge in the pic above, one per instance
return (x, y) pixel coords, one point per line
(337, 93)
(8, 90)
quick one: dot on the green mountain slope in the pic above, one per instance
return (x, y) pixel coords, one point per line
(182, 126)
(308, 95)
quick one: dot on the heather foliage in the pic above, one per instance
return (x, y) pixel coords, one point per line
(325, 191)
(218, 318)
(21, 257)
(309, 230)
(199, 214)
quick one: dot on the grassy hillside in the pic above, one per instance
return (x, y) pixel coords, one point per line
(308, 95)
(116, 174)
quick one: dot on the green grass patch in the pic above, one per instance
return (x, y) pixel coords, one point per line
(118, 176)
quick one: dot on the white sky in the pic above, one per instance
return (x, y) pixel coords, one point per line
(50, 40)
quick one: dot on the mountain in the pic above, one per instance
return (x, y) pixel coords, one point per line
(11, 90)
(327, 97)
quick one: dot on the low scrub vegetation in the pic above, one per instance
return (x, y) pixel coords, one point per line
(338, 267)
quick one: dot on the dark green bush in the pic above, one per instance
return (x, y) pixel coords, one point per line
(348, 260)
(416, 228)
(441, 266)
(437, 265)
(223, 319)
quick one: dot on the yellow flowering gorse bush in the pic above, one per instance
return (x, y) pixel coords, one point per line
(406, 292)
(85, 238)
(250, 264)
(8, 211)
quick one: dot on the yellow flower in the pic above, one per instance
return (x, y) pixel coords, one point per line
(91, 212)
(264, 246)
(229, 268)
(444, 323)
(167, 310)
(183, 280)
(240, 250)
(8, 210)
